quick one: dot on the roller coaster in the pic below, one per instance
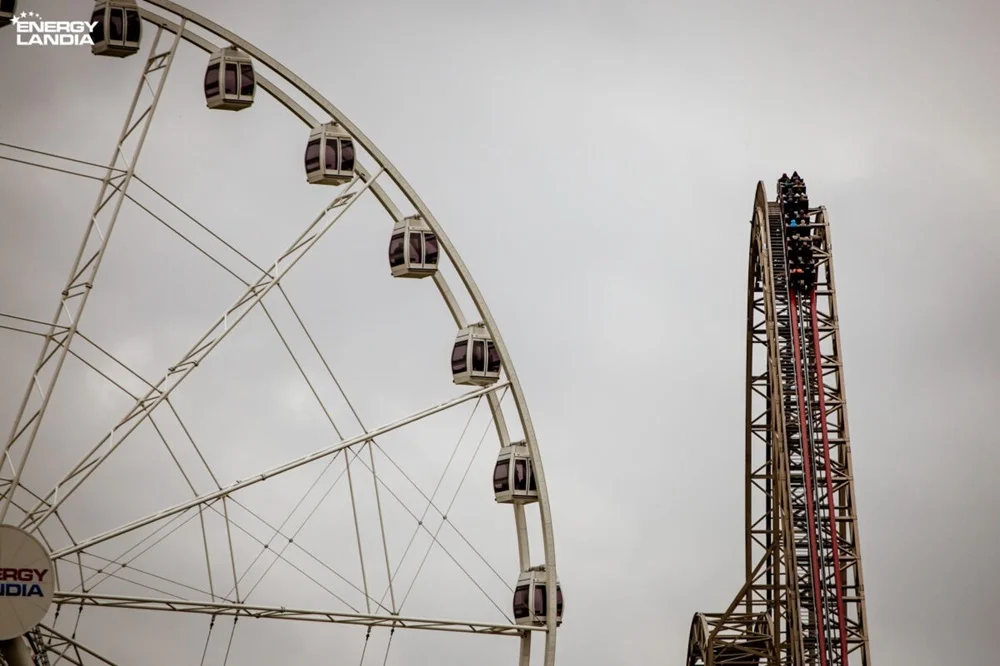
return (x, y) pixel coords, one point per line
(803, 602)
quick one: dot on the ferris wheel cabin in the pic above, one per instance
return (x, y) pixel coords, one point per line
(118, 28)
(7, 9)
(329, 156)
(530, 599)
(475, 360)
(229, 80)
(413, 249)
(513, 476)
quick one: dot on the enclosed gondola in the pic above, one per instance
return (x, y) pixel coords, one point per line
(117, 29)
(413, 249)
(329, 156)
(7, 11)
(514, 476)
(531, 600)
(475, 360)
(229, 80)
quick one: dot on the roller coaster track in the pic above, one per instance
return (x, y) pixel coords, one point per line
(803, 601)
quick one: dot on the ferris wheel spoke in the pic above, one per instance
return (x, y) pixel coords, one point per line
(442, 514)
(87, 583)
(194, 491)
(103, 562)
(288, 541)
(420, 525)
(329, 371)
(191, 218)
(444, 520)
(276, 471)
(157, 429)
(100, 566)
(435, 541)
(92, 365)
(118, 173)
(123, 565)
(35, 153)
(189, 241)
(67, 171)
(284, 613)
(146, 210)
(494, 402)
(200, 225)
(170, 406)
(64, 648)
(77, 291)
(197, 354)
(330, 420)
(423, 516)
(279, 556)
(16, 324)
(21, 505)
(277, 532)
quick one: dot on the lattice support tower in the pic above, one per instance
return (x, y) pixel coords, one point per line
(802, 552)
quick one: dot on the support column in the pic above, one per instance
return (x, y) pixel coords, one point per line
(16, 652)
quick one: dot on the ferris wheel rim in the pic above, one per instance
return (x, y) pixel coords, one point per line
(188, 16)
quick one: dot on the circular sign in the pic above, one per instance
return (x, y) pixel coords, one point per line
(27, 582)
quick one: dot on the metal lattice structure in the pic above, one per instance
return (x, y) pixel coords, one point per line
(803, 602)
(37, 511)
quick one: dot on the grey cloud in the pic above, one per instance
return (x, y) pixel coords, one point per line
(595, 166)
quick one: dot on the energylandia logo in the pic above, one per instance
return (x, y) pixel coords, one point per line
(27, 582)
(33, 31)
(24, 582)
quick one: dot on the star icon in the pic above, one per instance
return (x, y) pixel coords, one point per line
(24, 14)
(15, 18)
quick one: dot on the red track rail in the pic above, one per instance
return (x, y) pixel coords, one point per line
(835, 546)
(807, 476)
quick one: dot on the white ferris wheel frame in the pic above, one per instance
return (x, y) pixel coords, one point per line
(63, 328)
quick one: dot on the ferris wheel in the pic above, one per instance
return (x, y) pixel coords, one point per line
(137, 525)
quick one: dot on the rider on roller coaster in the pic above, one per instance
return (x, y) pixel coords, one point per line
(799, 248)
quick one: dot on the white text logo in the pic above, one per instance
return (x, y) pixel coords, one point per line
(33, 31)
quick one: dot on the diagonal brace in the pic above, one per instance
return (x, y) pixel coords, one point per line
(281, 469)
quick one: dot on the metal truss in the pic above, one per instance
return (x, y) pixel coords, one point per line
(730, 640)
(74, 296)
(281, 613)
(54, 647)
(834, 415)
(42, 510)
(269, 474)
(176, 373)
(777, 583)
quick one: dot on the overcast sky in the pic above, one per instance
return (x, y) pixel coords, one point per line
(595, 164)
